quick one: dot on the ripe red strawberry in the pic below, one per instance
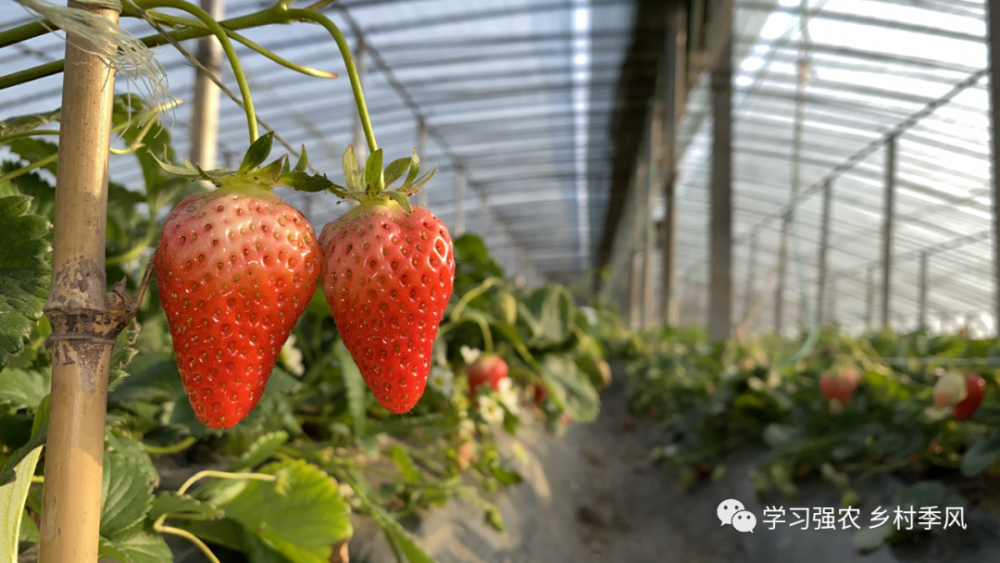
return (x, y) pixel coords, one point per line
(387, 277)
(235, 272)
(541, 393)
(840, 387)
(488, 369)
(949, 390)
(974, 388)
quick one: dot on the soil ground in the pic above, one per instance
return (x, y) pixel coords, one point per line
(588, 496)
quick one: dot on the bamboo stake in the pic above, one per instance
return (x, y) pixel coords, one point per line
(84, 318)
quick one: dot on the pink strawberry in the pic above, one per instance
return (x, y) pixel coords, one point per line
(235, 270)
(388, 276)
(488, 369)
(841, 387)
(975, 387)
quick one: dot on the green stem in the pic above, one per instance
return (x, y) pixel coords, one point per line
(227, 47)
(472, 294)
(167, 450)
(15, 136)
(25, 32)
(174, 20)
(352, 71)
(219, 475)
(37, 164)
(190, 537)
(487, 335)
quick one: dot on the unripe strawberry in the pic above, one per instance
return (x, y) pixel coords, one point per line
(975, 387)
(840, 387)
(489, 369)
(507, 307)
(235, 271)
(387, 276)
(949, 390)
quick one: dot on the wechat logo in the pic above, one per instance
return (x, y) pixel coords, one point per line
(732, 512)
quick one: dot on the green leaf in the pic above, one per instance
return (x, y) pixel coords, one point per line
(24, 273)
(132, 449)
(302, 515)
(373, 171)
(126, 494)
(870, 539)
(273, 170)
(34, 149)
(37, 439)
(41, 192)
(41, 414)
(396, 169)
(28, 536)
(352, 176)
(571, 389)
(504, 475)
(24, 123)
(548, 312)
(413, 552)
(404, 463)
(981, 455)
(423, 180)
(183, 507)
(12, 498)
(414, 170)
(304, 182)
(139, 544)
(123, 352)
(401, 199)
(355, 386)
(303, 162)
(257, 549)
(24, 389)
(258, 152)
(262, 449)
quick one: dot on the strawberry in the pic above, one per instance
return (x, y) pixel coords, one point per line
(949, 390)
(387, 276)
(235, 269)
(541, 393)
(975, 386)
(465, 453)
(840, 387)
(488, 369)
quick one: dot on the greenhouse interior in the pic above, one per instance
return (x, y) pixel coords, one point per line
(628, 281)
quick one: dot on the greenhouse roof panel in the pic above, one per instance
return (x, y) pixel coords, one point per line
(517, 92)
(869, 69)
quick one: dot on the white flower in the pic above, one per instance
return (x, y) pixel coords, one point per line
(507, 394)
(441, 380)
(470, 355)
(590, 314)
(491, 412)
(291, 357)
(345, 490)
(466, 429)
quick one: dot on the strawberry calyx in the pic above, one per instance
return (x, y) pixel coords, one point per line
(251, 175)
(372, 183)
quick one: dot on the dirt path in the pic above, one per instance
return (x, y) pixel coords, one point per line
(589, 496)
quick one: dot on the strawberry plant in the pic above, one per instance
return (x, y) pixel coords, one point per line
(237, 414)
(853, 408)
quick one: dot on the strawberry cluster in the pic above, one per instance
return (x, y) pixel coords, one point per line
(236, 267)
